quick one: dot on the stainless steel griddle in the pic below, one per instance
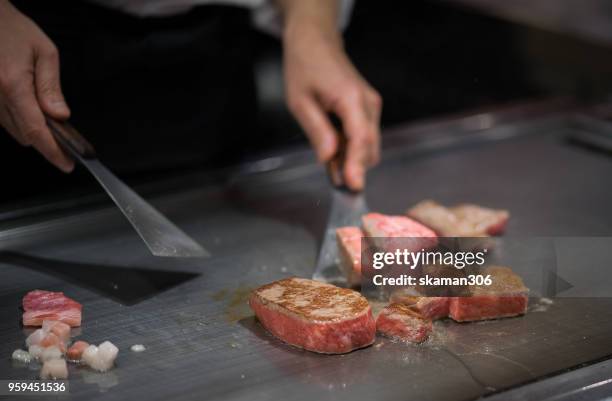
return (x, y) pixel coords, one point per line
(265, 222)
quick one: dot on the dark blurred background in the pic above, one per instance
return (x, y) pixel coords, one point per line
(426, 58)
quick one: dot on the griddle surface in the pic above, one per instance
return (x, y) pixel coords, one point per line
(202, 341)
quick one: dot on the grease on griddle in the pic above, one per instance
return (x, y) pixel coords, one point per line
(236, 302)
(541, 306)
(220, 295)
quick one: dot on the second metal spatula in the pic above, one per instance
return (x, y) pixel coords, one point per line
(347, 207)
(161, 236)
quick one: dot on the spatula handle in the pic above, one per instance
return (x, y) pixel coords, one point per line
(71, 140)
(335, 166)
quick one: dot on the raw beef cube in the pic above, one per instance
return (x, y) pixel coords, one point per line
(506, 296)
(51, 340)
(400, 322)
(50, 353)
(102, 357)
(54, 369)
(36, 337)
(36, 351)
(52, 333)
(75, 351)
(62, 330)
(315, 316)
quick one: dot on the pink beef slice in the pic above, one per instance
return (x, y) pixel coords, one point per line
(315, 316)
(410, 235)
(40, 305)
(349, 246)
(430, 307)
(507, 296)
(463, 220)
(401, 322)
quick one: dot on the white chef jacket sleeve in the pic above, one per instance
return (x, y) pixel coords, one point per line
(267, 17)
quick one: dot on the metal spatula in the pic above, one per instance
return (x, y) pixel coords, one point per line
(347, 207)
(160, 235)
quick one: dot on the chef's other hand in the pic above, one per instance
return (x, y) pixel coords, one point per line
(30, 85)
(321, 79)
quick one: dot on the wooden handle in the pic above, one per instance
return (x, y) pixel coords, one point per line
(335, 167)
(71, 140)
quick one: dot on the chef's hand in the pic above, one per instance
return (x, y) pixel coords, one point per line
(30, 85)
(321, 79)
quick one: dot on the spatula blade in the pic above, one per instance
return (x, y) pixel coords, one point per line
(161, 236)
(346, 210)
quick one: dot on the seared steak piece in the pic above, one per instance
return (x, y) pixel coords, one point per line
(349, 246)
(400, 322)
(464, 220)
(316, 316)
(398, 232)
(431, 301)
(430, 307)
(506, 296)
(482, 219)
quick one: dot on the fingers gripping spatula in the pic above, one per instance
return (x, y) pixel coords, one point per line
(347, 207)
(160, 235)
